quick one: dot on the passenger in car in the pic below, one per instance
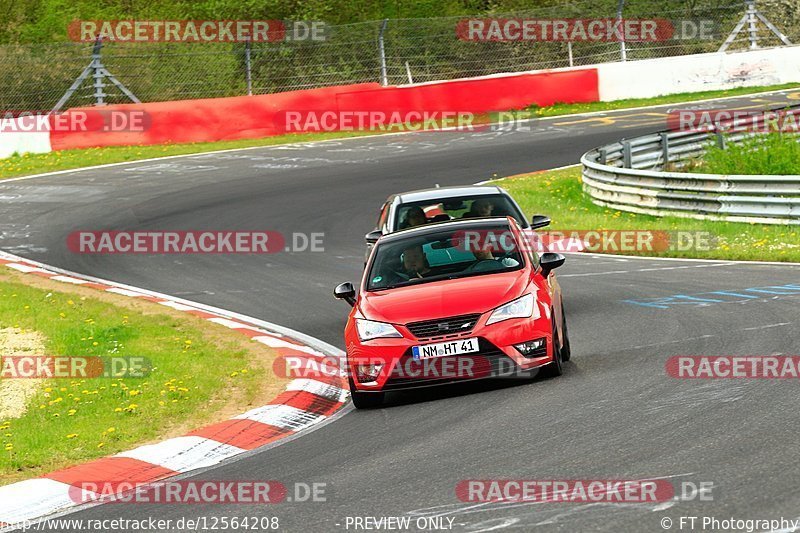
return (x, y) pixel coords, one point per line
(415, 216)
(480, 208)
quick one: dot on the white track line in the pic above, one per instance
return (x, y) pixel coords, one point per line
(575, 115)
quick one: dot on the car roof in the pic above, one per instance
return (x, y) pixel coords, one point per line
(463, 223)
(440, 193)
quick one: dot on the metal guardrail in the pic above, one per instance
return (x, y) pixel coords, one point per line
(628, 176)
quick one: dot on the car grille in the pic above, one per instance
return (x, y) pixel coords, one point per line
(488, 362)
(443, 327)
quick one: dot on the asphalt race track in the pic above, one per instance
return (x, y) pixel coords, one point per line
(615, 414)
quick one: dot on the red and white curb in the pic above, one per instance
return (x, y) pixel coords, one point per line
(304, 403)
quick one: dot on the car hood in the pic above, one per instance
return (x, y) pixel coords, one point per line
(440, 299)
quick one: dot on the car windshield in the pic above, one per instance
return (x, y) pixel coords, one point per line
(448, 254)
(419, 213)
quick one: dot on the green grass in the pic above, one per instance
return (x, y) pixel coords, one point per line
(559, 194)
(200, 371)
(771, 154)
(569, 109)
(28, 164)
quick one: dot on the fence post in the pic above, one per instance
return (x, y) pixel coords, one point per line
(752, 27)
(97, 74)
(96, 70)
(248, 66)
(569, 51)
(382, 52)
(622, 49)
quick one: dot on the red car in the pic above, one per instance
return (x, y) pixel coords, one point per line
(452, 302)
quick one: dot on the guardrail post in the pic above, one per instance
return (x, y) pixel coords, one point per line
(722, 142)
(603, 156)
(626, 154)
(665, 146)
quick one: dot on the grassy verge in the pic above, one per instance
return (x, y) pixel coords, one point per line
(201, 372)
(772, 154)
(569, 109)
(27, 164)
(559, 194)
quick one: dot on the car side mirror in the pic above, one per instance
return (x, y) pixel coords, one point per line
(373, 236)
(539, 221)
(346, 292)
(550, 261)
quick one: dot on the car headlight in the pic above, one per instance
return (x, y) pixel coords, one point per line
(522, 307)
(369, 329)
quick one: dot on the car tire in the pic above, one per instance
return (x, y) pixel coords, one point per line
(566, 350)
(365, 400)
(554, 369)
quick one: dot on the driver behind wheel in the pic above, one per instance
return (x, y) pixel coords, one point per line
(415, 262)
(480, 208)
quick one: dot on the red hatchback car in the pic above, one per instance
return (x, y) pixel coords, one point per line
(451, 302)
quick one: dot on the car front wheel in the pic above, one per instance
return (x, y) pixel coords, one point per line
(554, 369)
(566, 350)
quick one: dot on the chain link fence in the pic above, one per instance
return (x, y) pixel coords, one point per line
(35, 77)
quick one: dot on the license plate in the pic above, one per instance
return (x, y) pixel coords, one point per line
(444, 349)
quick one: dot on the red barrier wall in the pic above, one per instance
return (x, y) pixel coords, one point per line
(244, 117)
(479, 95)
(212, 119)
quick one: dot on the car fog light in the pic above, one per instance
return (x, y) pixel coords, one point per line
(368, 372)
(534, 348)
